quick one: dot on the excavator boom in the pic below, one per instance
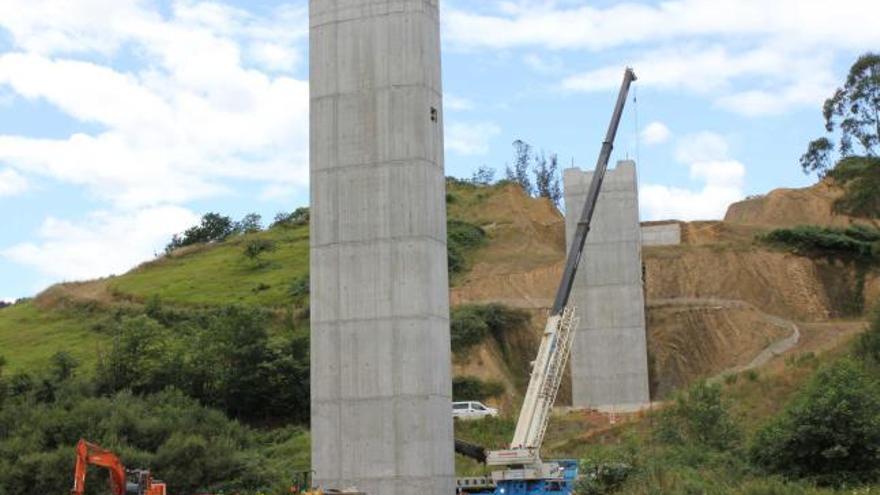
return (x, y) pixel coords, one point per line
(95, 455)
(89, 453)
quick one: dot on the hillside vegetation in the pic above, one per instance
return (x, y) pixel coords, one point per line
(715, 303)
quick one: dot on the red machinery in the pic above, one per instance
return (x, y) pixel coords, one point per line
(89, 453)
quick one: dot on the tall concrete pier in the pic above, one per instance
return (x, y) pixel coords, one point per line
(380, 352)
(609, 358)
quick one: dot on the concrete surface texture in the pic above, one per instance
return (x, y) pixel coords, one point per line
(661, 234)
(380, 348)
(609, 358)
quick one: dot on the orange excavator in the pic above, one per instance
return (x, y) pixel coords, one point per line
(122, 482)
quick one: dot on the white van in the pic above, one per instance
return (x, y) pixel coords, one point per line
(472, 410)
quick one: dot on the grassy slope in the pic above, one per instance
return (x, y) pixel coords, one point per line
(31, 332)
(29, 336)
(203, 275)
(221, 274)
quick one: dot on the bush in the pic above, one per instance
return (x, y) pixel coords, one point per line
(868, 343)
(192, 448)
(858, 242)
(860, 178)
(299, 288)
(462, 238)
(221, 357)
(296, 218)
(212, 228)
(467, 328)
(472, 388)
(256, 247)
(830, 434)
(699, 417)
(470, 324)
(600, 478)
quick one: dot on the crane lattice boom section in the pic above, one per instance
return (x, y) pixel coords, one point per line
(546, 375)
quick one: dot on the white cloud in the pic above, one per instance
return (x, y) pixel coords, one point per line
(471, 138)
(789, 75)
(721, 178)
(12, 183)
(701, 146)
(560, 25)
(456, 103)
(656, 133)
(543, 64)
(103, 243)
(193, 116)
(751, 57)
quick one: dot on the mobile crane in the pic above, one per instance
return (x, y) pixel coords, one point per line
(141, 483)
(521, 469)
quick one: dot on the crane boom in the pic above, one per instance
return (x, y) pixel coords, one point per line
(583, 227)
(555, 347)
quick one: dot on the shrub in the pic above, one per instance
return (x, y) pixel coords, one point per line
(600, 478)
(212, 228)
(699, 417)
(256, 247)
(868, 343)
(192, 448)
(829, 434)
(296, 218)
(470, 324)
(467, 328)
(462, 237)
(857, 242)
(250, 223)
(222, 357)
(472, 388)
(299, 288)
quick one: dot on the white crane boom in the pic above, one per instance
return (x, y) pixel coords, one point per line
(555, 347)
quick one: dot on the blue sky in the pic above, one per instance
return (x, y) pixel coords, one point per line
(122, 121)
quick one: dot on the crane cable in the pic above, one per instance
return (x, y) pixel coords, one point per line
(651, 437)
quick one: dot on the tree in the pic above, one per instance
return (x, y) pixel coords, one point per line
(547, 178)
(257, 247)
(521, 163)
(2, 381)
(252, 222)
(830, 433)
(699, 417)
(854, 110)
(296, 218)
(483, 176)
(212, 228)
(62, 366)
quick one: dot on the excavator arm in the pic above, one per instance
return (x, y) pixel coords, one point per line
(91, 454)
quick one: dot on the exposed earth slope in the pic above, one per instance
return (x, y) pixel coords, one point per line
(519, 266)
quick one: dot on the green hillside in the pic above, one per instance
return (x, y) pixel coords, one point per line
(64, 317)
(221, 274)
(29, 335)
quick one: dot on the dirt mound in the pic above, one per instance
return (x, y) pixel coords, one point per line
(523, 261)
(90, 292)
(692, 339)
(790, 207)
(779, 283)
(527, 238)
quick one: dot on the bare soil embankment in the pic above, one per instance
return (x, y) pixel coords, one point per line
(717, 261)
